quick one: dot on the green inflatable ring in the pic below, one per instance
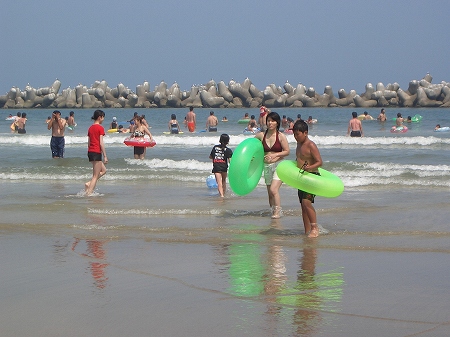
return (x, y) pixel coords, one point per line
(326, 185)
(244, 121)
(416, 118)
(246, 166)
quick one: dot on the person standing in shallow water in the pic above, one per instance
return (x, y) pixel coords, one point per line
(382, 116)
(276, 147)
(354, 126)
(308, 159)
(57, 142)
(96, 148)
(221, 155)
(191, 122)
(211, 122)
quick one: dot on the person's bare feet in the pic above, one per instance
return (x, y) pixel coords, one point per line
(276, 212)
(314, 233)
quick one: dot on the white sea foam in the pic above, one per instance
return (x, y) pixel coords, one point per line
(208, 141)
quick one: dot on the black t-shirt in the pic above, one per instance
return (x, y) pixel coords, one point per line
(220, 158)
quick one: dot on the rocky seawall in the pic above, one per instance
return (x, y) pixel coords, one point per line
(420, 93)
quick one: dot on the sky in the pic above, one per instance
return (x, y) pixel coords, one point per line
(344, 44)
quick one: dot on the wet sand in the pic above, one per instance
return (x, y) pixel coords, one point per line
(197, 281)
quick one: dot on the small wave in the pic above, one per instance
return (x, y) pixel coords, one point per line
(172, 212)
(208, 141)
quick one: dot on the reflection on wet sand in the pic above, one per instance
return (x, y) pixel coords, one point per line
(97, 266)
(258, 269)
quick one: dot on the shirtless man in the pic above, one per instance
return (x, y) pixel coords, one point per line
(211, 122)
(365, 116)
(382, 116)
(354, 126)
(252, 124)
(71, 121)
(21, 123)
(190, 119)
(14, 125)
(57, 143)
(308, 159)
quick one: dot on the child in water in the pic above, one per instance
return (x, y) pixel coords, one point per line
(308, 159)
(221, 156)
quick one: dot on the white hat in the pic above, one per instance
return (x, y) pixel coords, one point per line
(114, 119)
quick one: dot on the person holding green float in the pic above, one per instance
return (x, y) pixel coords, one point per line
(276, 147)
(308, 159)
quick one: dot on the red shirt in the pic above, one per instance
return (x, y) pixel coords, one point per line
(94, 133)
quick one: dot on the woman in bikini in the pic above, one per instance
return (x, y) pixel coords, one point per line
(276, 147)
(139, 132)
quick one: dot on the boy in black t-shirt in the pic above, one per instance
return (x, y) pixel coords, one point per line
(221, 155)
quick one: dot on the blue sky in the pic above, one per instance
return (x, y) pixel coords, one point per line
(345, 44)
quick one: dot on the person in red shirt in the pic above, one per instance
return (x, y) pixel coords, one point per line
(96, 148)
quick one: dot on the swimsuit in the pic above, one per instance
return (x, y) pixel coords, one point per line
(305, 195)
(139, 150)
(174, 128)
(270, 170)
(138, 133)
(276, 147)
(57, 146)
(191, 126)
(355, 134)
(212, 129)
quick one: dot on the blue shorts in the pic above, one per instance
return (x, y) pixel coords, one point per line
(57, 147)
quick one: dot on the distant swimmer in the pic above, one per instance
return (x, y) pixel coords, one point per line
(190, 119)
(263, 112)
(71, 120)
(211, 122)
(382, 116)
(284, 122)
(114, 123)
(21, 123)
(252, 124)
(174, 127)
(365, 117)
(399, 120)
(354, 126)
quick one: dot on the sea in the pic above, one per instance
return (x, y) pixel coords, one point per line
(395, 202)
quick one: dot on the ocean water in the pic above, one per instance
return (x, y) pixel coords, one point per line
(399, 173)
(395, 202)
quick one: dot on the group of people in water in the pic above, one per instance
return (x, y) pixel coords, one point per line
(287, 123)
(274, 142)
(355, 128)
(276, 148)
(275, 145)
